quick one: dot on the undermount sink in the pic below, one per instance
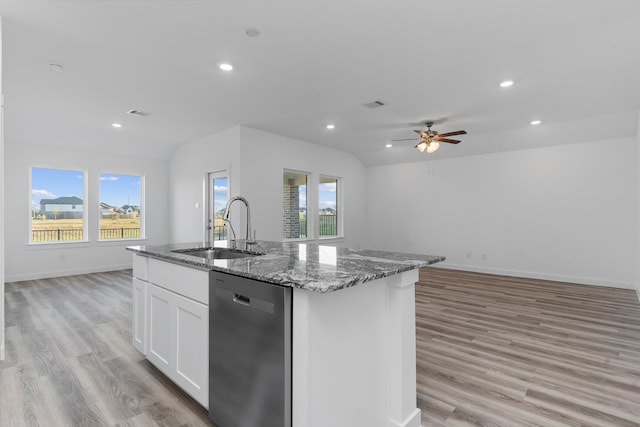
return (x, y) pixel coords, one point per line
(217, 253)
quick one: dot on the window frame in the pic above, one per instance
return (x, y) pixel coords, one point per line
(209, 205)
(85, 207)
(142, 206)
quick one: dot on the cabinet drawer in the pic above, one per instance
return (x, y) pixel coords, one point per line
(140, 267)
(185, 281)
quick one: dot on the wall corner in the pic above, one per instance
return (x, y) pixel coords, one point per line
(637, 257)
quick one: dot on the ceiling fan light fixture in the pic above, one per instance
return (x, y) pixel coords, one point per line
(433, 146)
(430, 140)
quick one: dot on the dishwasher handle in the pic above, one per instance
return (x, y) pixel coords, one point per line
(241, 299)
(251, 302)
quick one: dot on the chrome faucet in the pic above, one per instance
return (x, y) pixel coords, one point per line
(225, 218)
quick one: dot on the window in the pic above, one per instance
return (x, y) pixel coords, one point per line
(57, 205)
(121, 212)
(218, 197)
(294, 214)
(328, 219)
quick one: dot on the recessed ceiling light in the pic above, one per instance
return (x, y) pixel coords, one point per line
(331, 126)
(116, 125)
(536, 122)
(226, 66)
(252, 32)
(506, 83)
(138, 113)
(389, 145)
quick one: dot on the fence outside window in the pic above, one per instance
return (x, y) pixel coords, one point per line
(69, 234)
(220, 232)
(327, 225)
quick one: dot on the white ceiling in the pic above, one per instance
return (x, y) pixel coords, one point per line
(576, 66)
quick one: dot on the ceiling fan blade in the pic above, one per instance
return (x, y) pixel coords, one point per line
(422, 133)
(404, 139)
(450, 141)
(458, 132)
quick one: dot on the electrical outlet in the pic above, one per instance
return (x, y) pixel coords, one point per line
(484, 257)
(468, 254)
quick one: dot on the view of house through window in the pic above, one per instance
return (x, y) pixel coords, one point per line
(294, 214)
(328, 207)
(120, 206)
(57, 205)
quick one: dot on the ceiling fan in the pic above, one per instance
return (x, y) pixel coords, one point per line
(430, 140)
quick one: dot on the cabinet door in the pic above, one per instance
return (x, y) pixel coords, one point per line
(139, 327)
(160, 303)
(192, 348)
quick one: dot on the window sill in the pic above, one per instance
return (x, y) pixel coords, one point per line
(57, 244)
(320, 241)
(301, 240)
(107, 242)
(81, 243)
(337, 239)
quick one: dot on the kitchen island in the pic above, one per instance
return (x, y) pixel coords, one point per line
(352, 325)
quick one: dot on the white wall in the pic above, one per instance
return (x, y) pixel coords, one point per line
(257, 160)
(265, 156)
(24, 261)
(566, 213)
(637, 259)
(189, 167)
(1, 205)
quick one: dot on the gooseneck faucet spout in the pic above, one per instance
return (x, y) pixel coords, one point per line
(225, 218)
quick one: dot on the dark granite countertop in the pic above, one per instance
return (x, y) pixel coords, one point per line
(309, 266)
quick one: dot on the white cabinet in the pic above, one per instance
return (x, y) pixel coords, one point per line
(159, 303)
(177, 325)
(139, 298)
(192, 348)
(139, 330)
(140, 267)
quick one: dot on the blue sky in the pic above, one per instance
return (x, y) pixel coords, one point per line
(115, 189)
(220, 189)
(326, 195)
(120, 190)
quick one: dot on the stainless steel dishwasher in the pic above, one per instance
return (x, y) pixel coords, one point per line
(249, 352)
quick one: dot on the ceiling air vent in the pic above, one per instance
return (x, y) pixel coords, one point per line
(138, 113)
(374, 104)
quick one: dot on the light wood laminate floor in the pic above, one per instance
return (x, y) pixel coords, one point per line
(69, 360)
(492, 351)
(504, 351)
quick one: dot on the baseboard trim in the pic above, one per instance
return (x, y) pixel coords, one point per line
(70, 272)
(542, 276)
(413, 420)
